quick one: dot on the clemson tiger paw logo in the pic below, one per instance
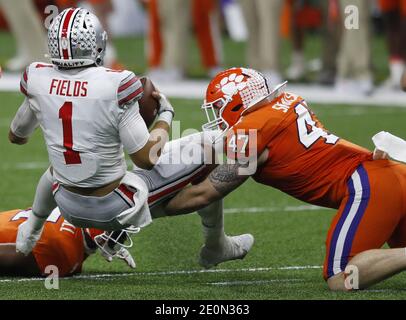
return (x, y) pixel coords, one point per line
(232, 84)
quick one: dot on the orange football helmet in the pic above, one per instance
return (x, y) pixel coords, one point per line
(231, 93)
(88, 239)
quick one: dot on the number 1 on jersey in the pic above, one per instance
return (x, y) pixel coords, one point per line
(65, 113)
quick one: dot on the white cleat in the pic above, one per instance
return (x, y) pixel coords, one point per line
(234, 248)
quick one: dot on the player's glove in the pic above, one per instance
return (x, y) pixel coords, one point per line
(125, 255)
(28, 234)
(166, 111)
(122, 254)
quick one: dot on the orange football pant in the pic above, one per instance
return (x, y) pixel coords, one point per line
(372, 213)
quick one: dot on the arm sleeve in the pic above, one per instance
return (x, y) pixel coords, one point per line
(25, 121)
(133, 131)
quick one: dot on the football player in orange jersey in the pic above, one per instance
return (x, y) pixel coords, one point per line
(61, 244)
(273, 137)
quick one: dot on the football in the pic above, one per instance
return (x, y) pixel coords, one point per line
(149, 106)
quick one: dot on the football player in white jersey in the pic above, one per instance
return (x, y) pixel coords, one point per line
(88, 115)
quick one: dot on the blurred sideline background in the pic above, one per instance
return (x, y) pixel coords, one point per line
(331, 51)
(180, 44)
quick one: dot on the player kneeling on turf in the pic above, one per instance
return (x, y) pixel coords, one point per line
(294, 153)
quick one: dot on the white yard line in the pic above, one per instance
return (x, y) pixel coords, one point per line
(254, 282)
(168, 273)
(31, 165)
(274, 209)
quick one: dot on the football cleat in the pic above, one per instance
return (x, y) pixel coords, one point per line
(234, 248)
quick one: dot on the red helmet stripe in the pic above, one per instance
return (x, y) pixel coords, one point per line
(65, 34)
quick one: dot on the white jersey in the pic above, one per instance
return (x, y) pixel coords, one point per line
(81, 113)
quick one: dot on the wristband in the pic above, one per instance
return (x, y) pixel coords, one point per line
(166, 116)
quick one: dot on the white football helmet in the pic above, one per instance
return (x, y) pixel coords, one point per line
(76, 39)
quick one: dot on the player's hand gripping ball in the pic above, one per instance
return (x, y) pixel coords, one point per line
(149, 106)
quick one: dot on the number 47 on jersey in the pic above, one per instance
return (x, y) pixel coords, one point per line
(307, 128)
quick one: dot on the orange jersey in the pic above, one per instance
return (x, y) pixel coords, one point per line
(305, 161)
(61, 243)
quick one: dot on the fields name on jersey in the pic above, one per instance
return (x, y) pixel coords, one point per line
(68, 88)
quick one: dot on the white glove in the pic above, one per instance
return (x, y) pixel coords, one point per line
(164, 104)
(122, 254)
(27, 237)
(125, 255)
(389, 146)
(166, 111)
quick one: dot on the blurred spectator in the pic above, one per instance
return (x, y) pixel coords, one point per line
(403, 81)
(331, 33)
(169, 36)
(102, 9)
(354, 73)
(25, 24)
(234, 20)
(304, 14)
(264, 44)
(394, 16)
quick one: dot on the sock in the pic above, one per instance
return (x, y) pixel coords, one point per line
(44, 201)
(213, 224)
(396, 67)
(35, 222)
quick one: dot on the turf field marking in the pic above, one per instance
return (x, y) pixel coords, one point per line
(384, 290)
(273, 209)
(254, 282)
(32, 165)
(167, 273)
